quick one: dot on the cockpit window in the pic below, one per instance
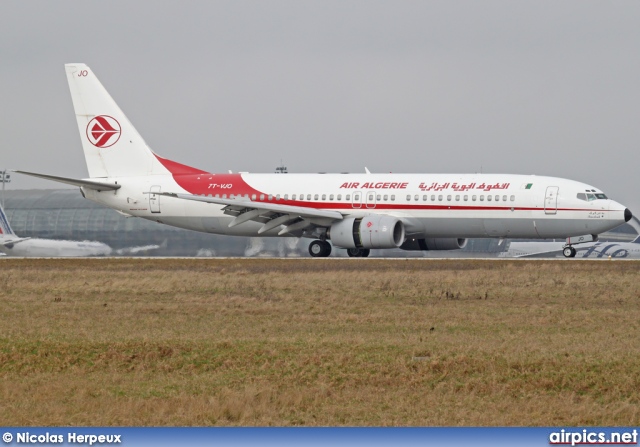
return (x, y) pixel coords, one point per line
(582, 196)
(591, 197)
(600, 196)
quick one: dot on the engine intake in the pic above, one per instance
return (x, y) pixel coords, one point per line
(371, 231)
(434, 244)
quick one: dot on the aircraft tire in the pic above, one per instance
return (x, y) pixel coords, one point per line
(319, 249)
(568, 252)
(354, 252)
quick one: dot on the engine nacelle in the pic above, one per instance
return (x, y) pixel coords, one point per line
(434, 244)
(372, 231)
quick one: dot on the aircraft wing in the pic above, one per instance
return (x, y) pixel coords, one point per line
(541, 254)
(295, 218)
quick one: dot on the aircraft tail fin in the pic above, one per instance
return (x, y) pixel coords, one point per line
(5, 228)
(112, 146)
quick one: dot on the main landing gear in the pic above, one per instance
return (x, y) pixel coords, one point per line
(569, 252)
(322, 249)
(358, 252)
(319, 249)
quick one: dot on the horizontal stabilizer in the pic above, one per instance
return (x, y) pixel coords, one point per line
(7, 242)
(91, 184)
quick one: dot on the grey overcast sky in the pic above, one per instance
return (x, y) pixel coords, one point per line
(540, 87)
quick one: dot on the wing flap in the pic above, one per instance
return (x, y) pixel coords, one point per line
(242, 204)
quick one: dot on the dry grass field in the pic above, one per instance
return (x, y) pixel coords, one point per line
(319, 342)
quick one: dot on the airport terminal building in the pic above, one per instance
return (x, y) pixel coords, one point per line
(65, 214)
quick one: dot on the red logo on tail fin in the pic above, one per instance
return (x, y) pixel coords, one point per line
(103, 131)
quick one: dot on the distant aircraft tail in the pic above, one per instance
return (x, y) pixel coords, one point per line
(5, 228)
(112, 146)
(636, 240)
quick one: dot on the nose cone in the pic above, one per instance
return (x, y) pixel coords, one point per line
(627, 215)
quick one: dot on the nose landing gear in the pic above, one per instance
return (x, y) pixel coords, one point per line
(569, 252)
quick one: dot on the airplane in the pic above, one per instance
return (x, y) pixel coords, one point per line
(13, 245)
(356, 212)
(604, 250)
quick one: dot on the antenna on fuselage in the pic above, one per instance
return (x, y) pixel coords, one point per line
(282, 169)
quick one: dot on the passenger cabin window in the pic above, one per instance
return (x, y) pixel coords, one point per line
(408, 198)
(386, 197)
(331, 197)
(488, 198)
(424, 198)
(416, 197)
(315, 197)
(433, 198)
(440, 198)
(340, 197)
(448, 198)
(504, 198)
(513, 198)
(324, 197)
(277, 196)
(253, 197)
(393, 197)
(473, 198)
(270, 197)
(457, 198)
(466, 197)
(482, 198)
(347, 197)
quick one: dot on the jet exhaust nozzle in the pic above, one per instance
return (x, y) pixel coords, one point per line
(627, 215)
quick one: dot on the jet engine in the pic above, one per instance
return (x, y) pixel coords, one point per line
(434, 244)
(371, 231)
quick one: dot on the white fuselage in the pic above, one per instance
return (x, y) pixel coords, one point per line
(53, 248)
(430, 205)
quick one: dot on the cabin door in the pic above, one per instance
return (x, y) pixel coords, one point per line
(551, 200)
(154, 199)
(356, 199)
